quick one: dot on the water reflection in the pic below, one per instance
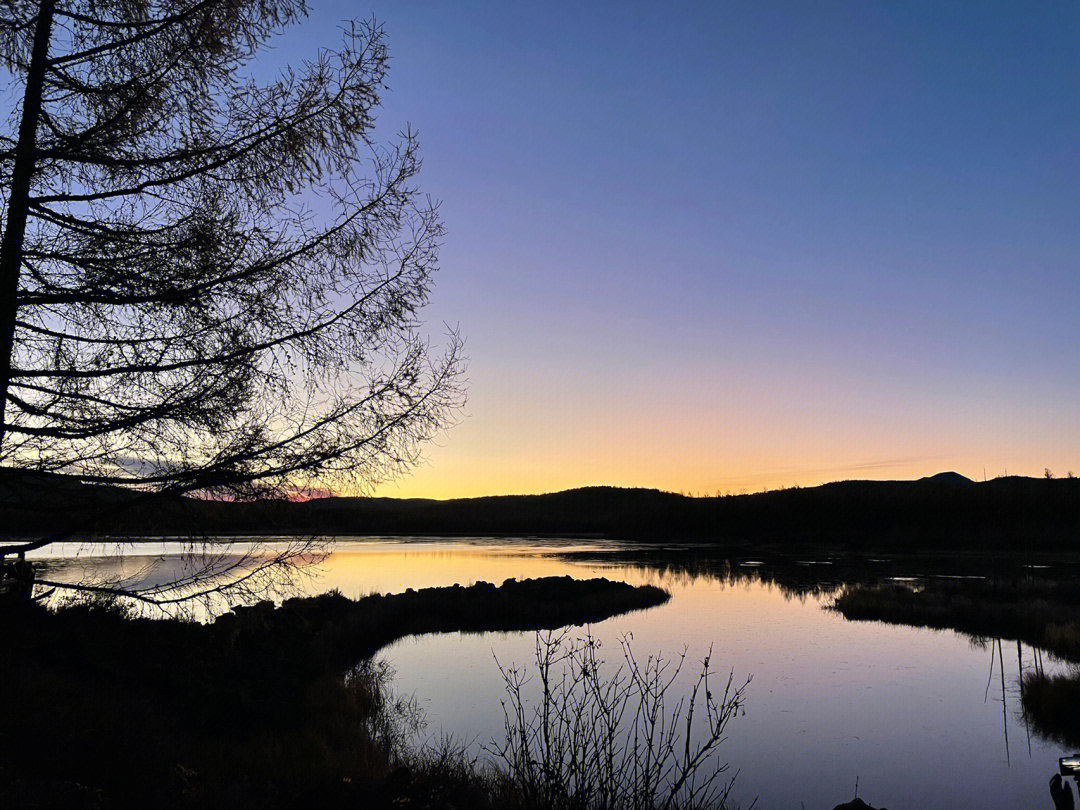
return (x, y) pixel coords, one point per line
(906, 711)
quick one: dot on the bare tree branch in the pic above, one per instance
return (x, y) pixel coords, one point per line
(212, 284)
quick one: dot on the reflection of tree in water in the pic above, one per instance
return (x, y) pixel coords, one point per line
(794, 578)
(997, 662)
(194, 579)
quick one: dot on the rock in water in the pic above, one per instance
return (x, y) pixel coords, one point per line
(856, 804)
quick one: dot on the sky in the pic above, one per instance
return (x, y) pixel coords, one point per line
(722, 247)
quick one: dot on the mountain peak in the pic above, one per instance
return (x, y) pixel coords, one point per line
(948, 478)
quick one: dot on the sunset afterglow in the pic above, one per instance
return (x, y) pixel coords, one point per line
(728, 248)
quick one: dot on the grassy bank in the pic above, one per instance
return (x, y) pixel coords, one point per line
(264, 707)
(1042, 613)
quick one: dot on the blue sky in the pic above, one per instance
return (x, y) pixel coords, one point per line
(723, 246)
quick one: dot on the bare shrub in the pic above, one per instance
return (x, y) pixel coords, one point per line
(595, 739)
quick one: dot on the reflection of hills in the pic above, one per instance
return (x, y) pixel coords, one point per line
(798, 576)
(945, 510)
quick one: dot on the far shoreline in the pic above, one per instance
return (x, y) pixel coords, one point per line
(944, 513)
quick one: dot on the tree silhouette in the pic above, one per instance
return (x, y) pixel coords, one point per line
(209, 284)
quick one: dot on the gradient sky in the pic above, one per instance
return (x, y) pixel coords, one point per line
(727, 246)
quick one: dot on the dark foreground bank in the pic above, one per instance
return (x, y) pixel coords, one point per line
(265, 707)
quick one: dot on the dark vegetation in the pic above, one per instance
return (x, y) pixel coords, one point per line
(263, 707)
(822, 571)
(1032, 598)
(1053, 704)
(945, 511)
(1043, 612)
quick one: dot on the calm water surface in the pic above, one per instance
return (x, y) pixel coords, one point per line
(904, 711)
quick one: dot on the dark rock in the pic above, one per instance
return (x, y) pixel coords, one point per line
(856, 804)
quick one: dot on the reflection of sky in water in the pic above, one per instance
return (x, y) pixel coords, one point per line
(900, 708)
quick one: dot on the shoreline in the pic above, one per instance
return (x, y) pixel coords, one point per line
(267, 706)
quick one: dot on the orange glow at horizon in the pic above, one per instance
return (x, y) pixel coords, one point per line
(723, 425)
(705, 454)
(480, 483)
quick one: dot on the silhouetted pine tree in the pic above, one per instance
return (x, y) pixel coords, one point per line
(208, 283)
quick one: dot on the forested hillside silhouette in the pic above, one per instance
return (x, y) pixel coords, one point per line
(946, 510)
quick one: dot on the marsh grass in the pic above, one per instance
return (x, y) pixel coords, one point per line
(1032, 612)
(1052, 702)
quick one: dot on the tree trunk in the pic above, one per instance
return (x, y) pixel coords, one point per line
(11, 249)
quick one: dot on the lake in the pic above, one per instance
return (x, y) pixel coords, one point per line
(914, 716)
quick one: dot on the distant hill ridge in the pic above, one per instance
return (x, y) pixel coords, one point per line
(943, 510)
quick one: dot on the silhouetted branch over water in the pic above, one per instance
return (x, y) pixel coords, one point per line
(604, 740)
(210, 282)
